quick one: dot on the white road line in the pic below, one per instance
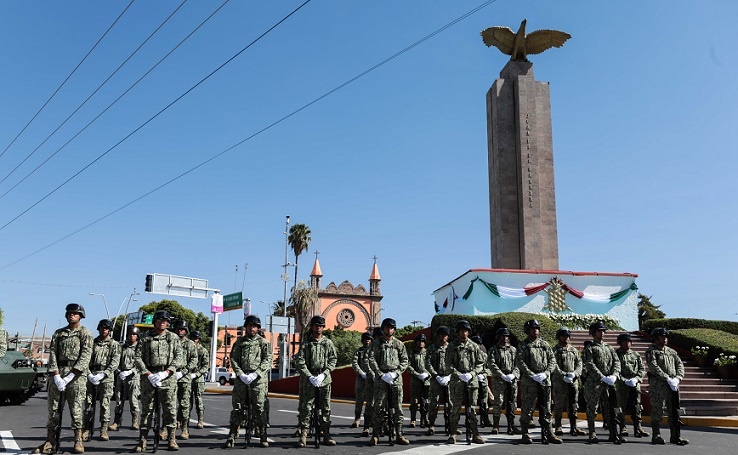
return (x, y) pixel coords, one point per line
(290, 411)
(443, 449)
(9, 442)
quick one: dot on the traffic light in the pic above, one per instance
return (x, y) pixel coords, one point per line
(149, 283)
(227, 339)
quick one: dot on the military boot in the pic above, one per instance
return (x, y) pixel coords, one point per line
(511, 425)
(232, 435)
(638, 431)
(574, 431)
(495, 424)
(413, 415)
(592, 433)
(623, 430)
(545, 434)
(357, 420)
(431, 428)
(185, 426)
(525, 439)
(200, 423)
(400, 439)
(614, 434)
(115, 426)
(484, 420)
(676, 436)
(104, 432)
(78, 447)
(302, 442)
(327, 440)
(451, 434)
(476, 439)
(141, 444)
(172, 440)
(163, 433)
(48, 445)
(656, 438)
(553, 438)
(134, 425)
(423, 419)
(558, 431)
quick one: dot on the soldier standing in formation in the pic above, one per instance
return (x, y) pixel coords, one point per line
(198, 378)
(388, 361)
(484, 392)
(536, 362)
(628, 387)
(316, 360)
(505, 375)
(435, 364)
(3, 342)
(464, 361)
(360, 365)
(157, 358)
(419, 381)
(251, 359)
(69, 360)
(129, 381)
(101, 378)
(666, 371)
(603, 368)
(184, 381)
(371, 381)
(564, 383)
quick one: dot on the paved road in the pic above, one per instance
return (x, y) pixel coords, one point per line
(23, 427)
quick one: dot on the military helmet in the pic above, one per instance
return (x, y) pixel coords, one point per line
(105, 324)
(421, 337)
(563, 332)
(389, 322)
(377, 332)
(317, 320)
(195, 335)
(659, 332)
(252, 319)
(477, 339)
(75, 308)
(133, 330)
(624, 337)
(181, 324)
(442, 330)
(162, 314)
(531, 324)
(597, 325)
(502, 332)
(463, 324)
(366, 336)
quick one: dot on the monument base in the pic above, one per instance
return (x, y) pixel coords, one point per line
(567, 297)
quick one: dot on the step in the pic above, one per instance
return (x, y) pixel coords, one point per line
(707, 395)
(698, 410)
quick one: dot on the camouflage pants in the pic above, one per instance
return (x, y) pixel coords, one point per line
(483, 400)
(594, 391)
(184, 398)
(438, 395)
(131, 386)
(381, 394)
(562, 396)
(660, 393)
(307, 401)
(198, 388)
(360, 394)
(500, 390)
(167, 394)
(74, 395)
(103, 393)
(458, 392)
(529, 394)
(369, 398)
(255, 396)
(418, 396)
(629, 399)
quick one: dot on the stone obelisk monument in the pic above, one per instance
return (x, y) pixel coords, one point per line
(521, 174)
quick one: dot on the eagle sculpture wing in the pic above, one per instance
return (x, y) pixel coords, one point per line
(503, 38)
(541, 40)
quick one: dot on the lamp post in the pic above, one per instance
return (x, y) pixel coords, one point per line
(125, 315)
(104, 302)
(285, 278)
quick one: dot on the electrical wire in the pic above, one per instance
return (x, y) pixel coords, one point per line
(212, 158)
(94, 92)
(65, 80)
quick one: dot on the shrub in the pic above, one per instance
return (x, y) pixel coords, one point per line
(715, 341)
(346, 342)
(725, 360)
(690, 323)
(583, 321)
(700, 350)
(487, 326)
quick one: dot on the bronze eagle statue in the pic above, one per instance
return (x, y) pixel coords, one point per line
(519, 45)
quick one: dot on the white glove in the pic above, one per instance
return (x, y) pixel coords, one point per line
(179, 375)
(439, 379)
(245, 378)
(162, 376)
(540, 377)
(446, 380)
(363, 375)
(100, 377)
(632, 382)
(424, 376)
(154, 379)
(609, 380)
(673, 383)
(320, 378)
(389, 378)
(466, 377)
(60, 383)
(313, 380)
(124, 374)
(613, 379)
(68, 378)
(508, 377)
(571, 376)
(481, 377)
(193, 375)
(93, 379)
(567, 379)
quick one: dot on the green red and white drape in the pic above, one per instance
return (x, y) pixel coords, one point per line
(511, 293)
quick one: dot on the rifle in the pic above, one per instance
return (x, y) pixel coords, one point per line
(612, 399)
(122, 397)
(509, 408)
(390, 416)
(316, 424)
(58, 426)
(248, 417)
(467, 415)
(676, 420)
(541, 421)
(157, 419)
(446, 410)
(424, 397)
(89, 424)
(572, 408)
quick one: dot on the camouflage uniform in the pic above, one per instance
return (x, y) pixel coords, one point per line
(3, 342)
(130, 386)
(501, 361)
(484, 391)
(463, 357)
(388, 357)
(184, 384)
(316, 357)
(663, 364)
(600, 360)
(435, 364)
(568, 360)
(631, 366)
(535, 357)
(198, 382)
(418, 387)
(105, 359)
(360, 365)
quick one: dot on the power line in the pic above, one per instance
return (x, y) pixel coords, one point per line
(114, 101)
(65, 80)
(94, 92)
(88, 165)
(212, 158)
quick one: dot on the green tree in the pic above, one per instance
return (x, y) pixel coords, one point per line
(408, 329)
(304, 298)
(1, 317)
(299, 239)
(346, 342)
(277, 308)
(194, 321)
(647, 310)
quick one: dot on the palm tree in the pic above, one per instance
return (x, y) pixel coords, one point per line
(303, 300)
(299, 239)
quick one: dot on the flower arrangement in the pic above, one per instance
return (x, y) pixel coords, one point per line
(582, 321)
(700, 350)
(725, 360)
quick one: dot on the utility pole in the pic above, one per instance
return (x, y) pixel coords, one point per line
(285, 278)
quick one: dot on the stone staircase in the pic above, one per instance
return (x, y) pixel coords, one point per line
(703, 392)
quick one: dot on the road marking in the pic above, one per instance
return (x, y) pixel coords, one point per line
(443, 448)
(290, 411)
(9, 442)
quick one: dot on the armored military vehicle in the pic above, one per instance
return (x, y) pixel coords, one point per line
(19, 379)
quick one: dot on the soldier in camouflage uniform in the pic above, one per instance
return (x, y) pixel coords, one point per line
(464, 361)
(198, 378)
(505, 375)
(484, 393)
(628, 387)
(377, 335)
(3, 342)
(69, 360)
(129, 381)
(360, 365)
(157, 358)
(184, 381)
(665, 372)
(564, 382)
(603, 368)
(435, 364)
(419, 381)
(101, 379)
(536, 362)
(316, 360)
(388, 361)
(251, 359)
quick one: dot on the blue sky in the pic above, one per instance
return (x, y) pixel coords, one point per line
(392, 165)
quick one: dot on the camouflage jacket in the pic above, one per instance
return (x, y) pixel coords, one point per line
(316, 357)
(600, 360)
(501, 360)
(435, 360)
(535, 357)
(251, 355)
(128, 357)
(3, 342)
(416, 363)
(203, 364)
(664, 363)
(70, 349)
(631, 365)
(568, 360)
(157, 353)
(105, 357)
(464, 357)
(360, 362)
(189, 359)
(388, 357)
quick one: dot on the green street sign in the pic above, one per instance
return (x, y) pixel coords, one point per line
(233, 301)
(148, 319)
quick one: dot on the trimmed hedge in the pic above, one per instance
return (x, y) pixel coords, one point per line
(690, 323)
(717, 340)
(487, 326)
